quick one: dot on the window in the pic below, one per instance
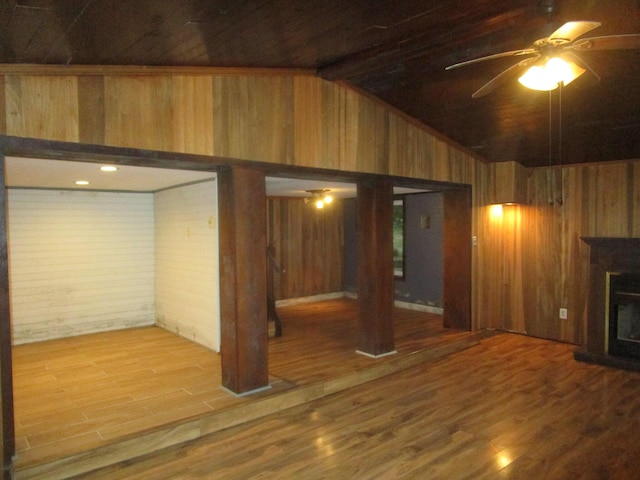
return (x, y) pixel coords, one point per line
(398, 238)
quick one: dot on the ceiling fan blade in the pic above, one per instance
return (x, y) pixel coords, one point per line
(526, 51)
(610, 42)
(571, 31)
(506, 75)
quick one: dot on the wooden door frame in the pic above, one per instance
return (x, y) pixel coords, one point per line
(8, 440)
(457, 258)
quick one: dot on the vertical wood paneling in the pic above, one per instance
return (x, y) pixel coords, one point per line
(480, 242)
(80, 262)
(308, 121)
(298, 120)
(513, 267)
(565, 204)
(575, 256)
(43, 107)
(411, 152)
(91, 109)
(364, 135)
(253, 118)
(186, 262)
(192, 106)
(525, 267)
(139, 112)
(274, 118)
(611, 194)
(308, 246)
(490, 248)
(635, 199)
(316, 123)
(333, 126)
(509, 183)
(3, 105)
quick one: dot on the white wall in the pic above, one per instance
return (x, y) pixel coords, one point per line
(187, 279)
(79, 262)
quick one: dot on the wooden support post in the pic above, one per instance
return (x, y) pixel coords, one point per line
(457, 259)
(6, 370)
(375, 267)
(243, 280)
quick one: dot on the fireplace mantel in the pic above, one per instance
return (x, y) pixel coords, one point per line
(607, 255)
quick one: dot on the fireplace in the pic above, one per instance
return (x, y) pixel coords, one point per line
(613, 310)
(624, 314)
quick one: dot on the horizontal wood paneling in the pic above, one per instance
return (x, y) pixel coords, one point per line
(80, 262)
(308, 246)
(186, 262)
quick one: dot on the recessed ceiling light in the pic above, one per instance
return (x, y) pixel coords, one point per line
(82, 182)
(108, 168)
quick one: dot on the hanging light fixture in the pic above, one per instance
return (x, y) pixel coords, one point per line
(319, 197)
(549, 75)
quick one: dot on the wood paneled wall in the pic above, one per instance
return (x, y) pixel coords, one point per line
(529, 261)
(538, 261)
(308, 246)
(277, 117)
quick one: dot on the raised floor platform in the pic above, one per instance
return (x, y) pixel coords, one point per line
(87, 402)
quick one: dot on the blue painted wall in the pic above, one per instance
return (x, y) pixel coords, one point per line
(423, 280)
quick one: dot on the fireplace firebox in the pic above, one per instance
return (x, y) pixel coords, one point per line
(624, 314)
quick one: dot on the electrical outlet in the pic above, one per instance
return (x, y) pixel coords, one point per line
(563, 313)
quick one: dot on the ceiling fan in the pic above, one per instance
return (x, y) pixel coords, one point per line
(561, 44)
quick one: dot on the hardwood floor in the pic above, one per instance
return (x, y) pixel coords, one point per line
(512, 407)
(78, 394)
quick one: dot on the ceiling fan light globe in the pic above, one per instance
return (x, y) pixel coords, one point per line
(563, 71)
(536, 78)
(547, 77)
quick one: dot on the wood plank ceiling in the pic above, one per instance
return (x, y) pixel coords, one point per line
(396, 50)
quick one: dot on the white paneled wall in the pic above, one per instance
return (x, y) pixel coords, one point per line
(79, 262)
(187, 279)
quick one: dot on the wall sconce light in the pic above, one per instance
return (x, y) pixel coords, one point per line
(548, 75)
(319, 197)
